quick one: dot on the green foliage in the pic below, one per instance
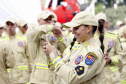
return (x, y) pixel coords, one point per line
(114, 16)
(107, 3)
(99, 7)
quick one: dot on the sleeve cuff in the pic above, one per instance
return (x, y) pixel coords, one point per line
(56, 60)
(53, 55)
(61, 39)
(114, 60)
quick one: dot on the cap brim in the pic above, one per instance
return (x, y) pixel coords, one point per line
(10, 21)
(48, 16)
(23, 24)
(70, 24)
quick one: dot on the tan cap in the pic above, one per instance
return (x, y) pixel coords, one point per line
(101, 16)
(55, 17)
(11, 19)
(2, 26)
(21, 23)
(119, 22)
(84, 17)
(45, 15)
(58, 24)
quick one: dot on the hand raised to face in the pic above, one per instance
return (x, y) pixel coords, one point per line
(57, 31)
(48, 48)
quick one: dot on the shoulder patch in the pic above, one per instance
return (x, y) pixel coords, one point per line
(91, 57)
(111, 43)
(79, 70)
(53, 38)
(78, 59)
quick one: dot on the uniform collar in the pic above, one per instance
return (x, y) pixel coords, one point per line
(89, 42)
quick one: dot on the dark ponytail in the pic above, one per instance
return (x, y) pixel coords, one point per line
(101, 37)
(72, 43)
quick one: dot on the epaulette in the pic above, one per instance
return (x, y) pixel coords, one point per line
(111, 35)
(20, 37)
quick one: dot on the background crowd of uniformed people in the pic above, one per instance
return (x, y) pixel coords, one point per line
(78, 52)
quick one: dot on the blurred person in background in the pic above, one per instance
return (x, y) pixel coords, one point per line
(113, 52)
(119, 24)
(122, 34)
(22, 25)
(20, 73)
(7, 60)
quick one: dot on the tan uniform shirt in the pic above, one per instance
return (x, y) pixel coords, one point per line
(20, 72)
(20, 33)
(7, 60)
(111, 74)
(123, 73)
(37, 36)
(84, 66)
(70, 37)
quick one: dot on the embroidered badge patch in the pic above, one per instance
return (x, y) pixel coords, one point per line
(111, 43)
(20, 44)
(53, 38)
(90, 58)
(79, 70)
(78, 59)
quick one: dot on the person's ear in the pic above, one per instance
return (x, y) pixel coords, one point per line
(89, 28)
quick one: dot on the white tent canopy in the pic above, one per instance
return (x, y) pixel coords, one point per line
(27, 10)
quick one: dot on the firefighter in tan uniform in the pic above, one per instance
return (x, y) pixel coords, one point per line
(22, 25)
(118, 26)
(20, 72)
(113, 54)
(122, 34)
(41, 73)
(7, 60)
(85, 63)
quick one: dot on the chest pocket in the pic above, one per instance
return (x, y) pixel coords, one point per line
(21, 55)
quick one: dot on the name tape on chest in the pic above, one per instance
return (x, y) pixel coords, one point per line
(91, 57)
